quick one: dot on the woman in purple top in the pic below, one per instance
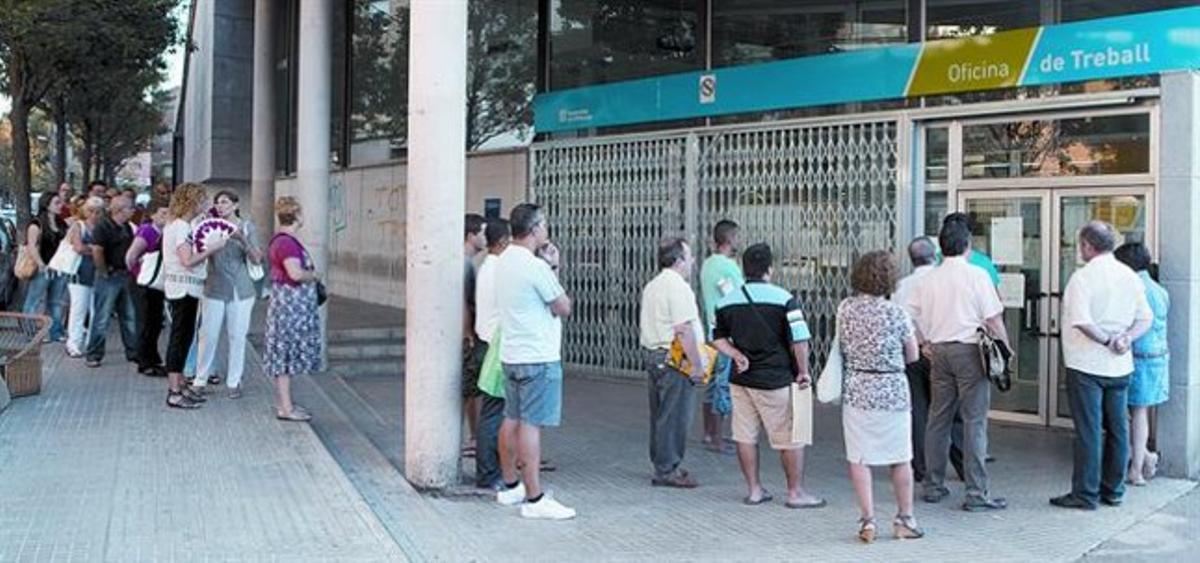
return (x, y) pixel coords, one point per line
(147, 243)
(293, 327)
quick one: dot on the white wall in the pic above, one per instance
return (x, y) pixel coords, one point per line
(367, 231)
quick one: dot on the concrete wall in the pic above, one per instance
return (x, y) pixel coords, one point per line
(368, 224)
(219, 94)
(1179, 216)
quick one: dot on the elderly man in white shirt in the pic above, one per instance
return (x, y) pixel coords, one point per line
(922, 251)
(1104, 310)
(950, 305)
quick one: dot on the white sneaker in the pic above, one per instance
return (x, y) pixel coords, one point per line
(511, 497)
(546, 509)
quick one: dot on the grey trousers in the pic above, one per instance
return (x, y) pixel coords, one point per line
(672, 407)
(958, 384)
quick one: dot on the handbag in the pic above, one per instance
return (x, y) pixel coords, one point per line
(65, 259)
(255, 270)
(829, 384)
(26, 266)
(677, 359)
(491, 373)
(995, 356)
(150, 273)
(322, 293)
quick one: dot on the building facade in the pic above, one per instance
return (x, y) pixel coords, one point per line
(825, 128)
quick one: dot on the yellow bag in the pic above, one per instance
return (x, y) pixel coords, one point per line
(677, 359)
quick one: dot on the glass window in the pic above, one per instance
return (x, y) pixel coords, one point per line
(937, 153)
(598, 41)
(936, 207)
(378, 80)
(284, 92)
(1075, 10)
(502, 72)
(752, 31)
(961, 18)
(1083, 146)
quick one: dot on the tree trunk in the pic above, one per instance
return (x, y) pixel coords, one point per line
(60, 141)
(22, 172)
(87, 154)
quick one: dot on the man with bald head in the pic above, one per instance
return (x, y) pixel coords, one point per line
(112, 289)
(923, 251)
(1104, 310)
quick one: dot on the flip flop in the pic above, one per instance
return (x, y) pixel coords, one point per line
(766, 497)
(294, 416)
(805, 505)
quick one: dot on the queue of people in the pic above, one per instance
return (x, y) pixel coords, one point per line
(99, 256)
(915, 396)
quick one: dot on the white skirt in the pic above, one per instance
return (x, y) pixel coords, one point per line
(877, 437)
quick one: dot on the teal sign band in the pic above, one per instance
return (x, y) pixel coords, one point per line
(1148, 43)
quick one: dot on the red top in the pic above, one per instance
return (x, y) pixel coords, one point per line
(284, 246)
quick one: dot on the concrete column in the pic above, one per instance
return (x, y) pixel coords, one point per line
(436, 203)
(313, 110)
(262, 138)
(1179, 229)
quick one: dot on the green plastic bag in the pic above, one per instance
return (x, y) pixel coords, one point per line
(491, 374)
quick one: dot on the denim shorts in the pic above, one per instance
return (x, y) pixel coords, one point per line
(533, 393)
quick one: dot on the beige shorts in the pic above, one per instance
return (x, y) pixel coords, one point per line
(769, 408)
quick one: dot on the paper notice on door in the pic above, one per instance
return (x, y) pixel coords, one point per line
(1007, 243)
(1012, 290)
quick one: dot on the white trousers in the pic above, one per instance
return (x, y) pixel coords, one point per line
(235, 317)
(81, 309)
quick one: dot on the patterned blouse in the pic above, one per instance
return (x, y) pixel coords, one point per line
(872, 332)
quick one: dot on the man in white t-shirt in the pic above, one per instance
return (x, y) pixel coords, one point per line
(1104, 310)
(487, 319)
(950, 305)
(532, 304)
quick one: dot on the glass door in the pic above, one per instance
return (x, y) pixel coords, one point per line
(1011, 227)
(1128, 211)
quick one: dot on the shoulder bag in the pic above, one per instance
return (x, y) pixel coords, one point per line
(995, 357)
(25, 266)
(65, 259)
(150, 273)
(829, 383)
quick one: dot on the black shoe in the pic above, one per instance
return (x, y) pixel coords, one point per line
(192, 395)
(152, 371)
(934, 495)
(981, 504)
(1071, 501)
(1112, 501)
(93, 363)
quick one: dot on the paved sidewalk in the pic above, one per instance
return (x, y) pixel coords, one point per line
(96, 468)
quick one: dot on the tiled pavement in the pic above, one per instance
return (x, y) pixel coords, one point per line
(604, 472)
(96, 468)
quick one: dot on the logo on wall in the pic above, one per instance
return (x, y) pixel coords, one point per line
(708, 88)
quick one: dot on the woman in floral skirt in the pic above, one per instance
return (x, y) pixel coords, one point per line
(293, 327)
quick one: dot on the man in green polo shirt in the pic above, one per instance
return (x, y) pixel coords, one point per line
(719, 275)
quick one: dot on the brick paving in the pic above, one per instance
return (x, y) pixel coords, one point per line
(96, 468)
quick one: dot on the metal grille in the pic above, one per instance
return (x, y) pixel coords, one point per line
(608, 205)
(820, 195)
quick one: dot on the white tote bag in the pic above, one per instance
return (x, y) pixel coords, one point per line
(150, 274)
(829, 385)
(65, 259)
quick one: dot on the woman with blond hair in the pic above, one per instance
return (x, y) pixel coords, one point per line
(79, 286)
(876, 339)
(183, 284)
(293, 325)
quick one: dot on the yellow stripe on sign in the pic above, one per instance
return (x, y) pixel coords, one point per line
(983, 62)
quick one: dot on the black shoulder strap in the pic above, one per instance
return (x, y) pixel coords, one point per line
(762, 319)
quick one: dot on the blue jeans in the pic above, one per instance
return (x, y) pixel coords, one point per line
(112, 293)
(1098, 405)
(46, 289)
